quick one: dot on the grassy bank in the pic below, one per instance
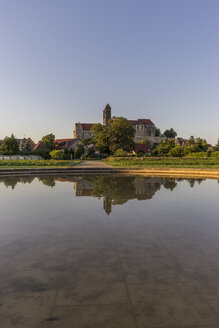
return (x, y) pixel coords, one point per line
(164, 162)
(35, 163)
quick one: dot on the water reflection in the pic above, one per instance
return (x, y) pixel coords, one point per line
(115, 190)
(154, 262)
(13, 181)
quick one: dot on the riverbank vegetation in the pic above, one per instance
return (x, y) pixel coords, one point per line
(165, 162)
(36, 163)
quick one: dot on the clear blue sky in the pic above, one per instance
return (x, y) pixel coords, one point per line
(61, 61)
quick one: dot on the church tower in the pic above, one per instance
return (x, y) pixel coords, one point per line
(107, 203)
(106, 115)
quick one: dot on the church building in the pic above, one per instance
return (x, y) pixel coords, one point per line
(144, 128)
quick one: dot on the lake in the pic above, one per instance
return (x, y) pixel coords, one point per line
(109, 252)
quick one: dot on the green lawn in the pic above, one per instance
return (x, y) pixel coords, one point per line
(35, 163)
(164, 162)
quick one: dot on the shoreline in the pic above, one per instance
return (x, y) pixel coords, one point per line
(77, 170)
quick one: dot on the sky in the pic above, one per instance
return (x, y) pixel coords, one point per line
(62, 61)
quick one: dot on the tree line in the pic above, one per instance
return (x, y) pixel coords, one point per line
(118, 140)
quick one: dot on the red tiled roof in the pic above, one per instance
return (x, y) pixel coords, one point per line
(37, 145)
(142, 147)
(140, 121)
(64, 143)
(63, 140)
(133, 122)
(86, 126)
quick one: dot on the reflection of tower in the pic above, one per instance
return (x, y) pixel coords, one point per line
(107, 203)
(106, 115)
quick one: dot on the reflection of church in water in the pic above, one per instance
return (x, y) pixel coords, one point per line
(118, 190)
(114, 190)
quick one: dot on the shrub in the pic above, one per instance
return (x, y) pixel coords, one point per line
(79, 151)
(120, 153)
(56, 154)
(176, 151)
(140, 154)
(198, 155)
(215, 154)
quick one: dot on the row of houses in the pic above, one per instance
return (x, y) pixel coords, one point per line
(144, 129)
(60, 144)
(24, 144)
(27, 145)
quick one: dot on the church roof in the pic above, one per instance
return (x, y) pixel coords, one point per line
(86, 126)
(141, 121)
(107, 107)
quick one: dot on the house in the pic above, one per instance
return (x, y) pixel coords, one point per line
(142, 148)
(40, 147)
(181, 142)
(60, 144)
(66, 144)
(83, 130)
(26, 144)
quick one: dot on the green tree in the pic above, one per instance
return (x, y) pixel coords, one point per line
(121, 134)
(191, 140)
(191, 149)
(56, 154)
(170, 184)
(101, 138)
(163, 148)
(202, 144)
(87, 141)
(91, 151)
(79, 151)
(48, 141)
(9, 146)
(71, 153)
(157, 132)
(196, 145)
(217, 145)
(48, 181)
(170, 133)
(215, 154)
(120, 153)
(177, 151)
(144, 141)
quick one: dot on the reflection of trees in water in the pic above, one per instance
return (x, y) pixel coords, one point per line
(13, 181)
(48, 181)
(192, 182)
(117, 190)
(170, 184)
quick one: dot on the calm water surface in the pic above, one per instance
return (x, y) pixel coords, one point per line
(109, 252)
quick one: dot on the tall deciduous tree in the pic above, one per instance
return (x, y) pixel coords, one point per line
(48, 140)
(170, 133)
(119, 135)
(101, 138)
(9, 146)
(79, 150)
(163, 148)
